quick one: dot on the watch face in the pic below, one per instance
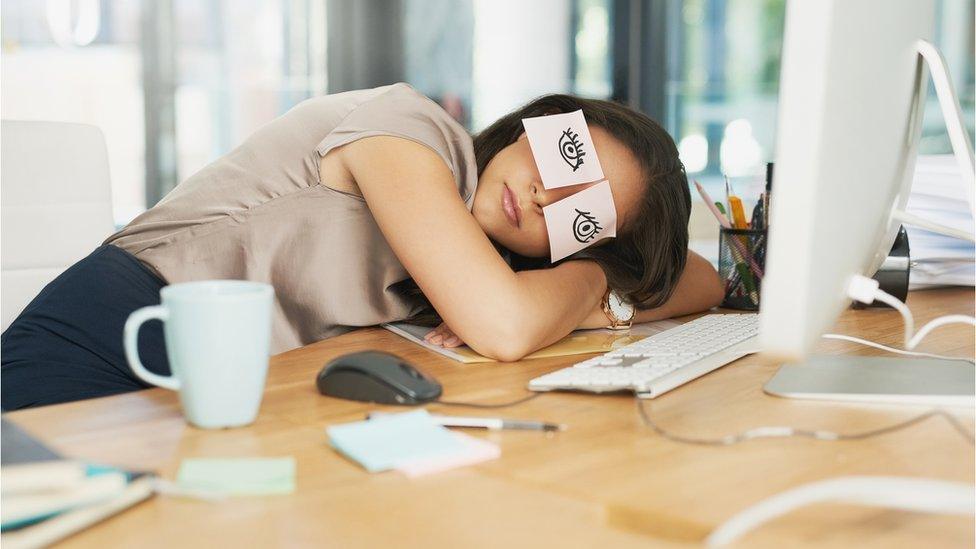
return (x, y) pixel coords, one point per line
(620, 309)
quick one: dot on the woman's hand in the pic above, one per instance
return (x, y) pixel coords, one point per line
(443, 336)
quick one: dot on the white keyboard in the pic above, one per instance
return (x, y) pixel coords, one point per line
(661, 362)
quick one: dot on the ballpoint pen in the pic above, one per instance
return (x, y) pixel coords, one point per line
(490, 423)
(728, 192)
(758, 217)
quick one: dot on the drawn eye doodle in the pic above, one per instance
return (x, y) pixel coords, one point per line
(570, 148)
(585, 227)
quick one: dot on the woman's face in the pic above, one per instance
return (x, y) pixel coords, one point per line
(510, 196)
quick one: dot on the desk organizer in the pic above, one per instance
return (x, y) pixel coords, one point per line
(741, 263)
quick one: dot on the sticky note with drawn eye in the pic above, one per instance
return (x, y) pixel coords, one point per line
(563, 149)
(580, 220)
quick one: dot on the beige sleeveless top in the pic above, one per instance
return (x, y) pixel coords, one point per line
(261, 213)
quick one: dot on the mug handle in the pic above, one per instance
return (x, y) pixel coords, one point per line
(131, 342)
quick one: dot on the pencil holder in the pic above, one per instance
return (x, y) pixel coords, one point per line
(741, 264)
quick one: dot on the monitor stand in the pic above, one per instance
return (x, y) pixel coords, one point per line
(956, 127)
(878, 380)
(883, 380)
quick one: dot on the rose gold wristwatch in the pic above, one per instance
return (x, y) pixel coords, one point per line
(619, 312)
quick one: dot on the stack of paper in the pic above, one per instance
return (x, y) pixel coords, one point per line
(939, 195)
(410, 442)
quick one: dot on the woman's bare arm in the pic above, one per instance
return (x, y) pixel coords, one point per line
(498, 312)
(699, 289)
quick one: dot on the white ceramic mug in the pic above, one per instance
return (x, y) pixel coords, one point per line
(217, 336)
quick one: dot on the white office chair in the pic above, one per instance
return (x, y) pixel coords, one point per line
(56, 205)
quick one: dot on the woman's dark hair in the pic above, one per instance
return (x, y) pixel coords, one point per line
(646, 258)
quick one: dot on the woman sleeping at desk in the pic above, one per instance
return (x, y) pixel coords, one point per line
(375, 206)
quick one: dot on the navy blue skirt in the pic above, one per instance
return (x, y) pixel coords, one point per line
(67, 343)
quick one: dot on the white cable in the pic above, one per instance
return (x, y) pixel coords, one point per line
(867, 290)
(777, 431)
(894, 350)
(907, 494)
(906, 313)
(941, 321)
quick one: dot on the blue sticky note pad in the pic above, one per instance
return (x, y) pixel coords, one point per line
(380, 444)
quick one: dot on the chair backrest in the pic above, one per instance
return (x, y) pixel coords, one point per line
(56, 205)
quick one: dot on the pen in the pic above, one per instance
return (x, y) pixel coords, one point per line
(765, 210)
(757, 213)
(490, 423)
(728, 192)
(713, 206)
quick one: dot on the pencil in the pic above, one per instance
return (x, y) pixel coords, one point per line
(722, 220)
(738, 213)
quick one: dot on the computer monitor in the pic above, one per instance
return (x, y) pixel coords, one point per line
(852, 90)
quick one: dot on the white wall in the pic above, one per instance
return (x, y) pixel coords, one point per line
(521, 51)
(98, 85)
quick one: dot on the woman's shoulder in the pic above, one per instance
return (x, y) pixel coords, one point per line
(392, 101)
(397, 106)
(400, 110)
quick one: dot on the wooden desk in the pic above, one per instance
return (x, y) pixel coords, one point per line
(606, 482)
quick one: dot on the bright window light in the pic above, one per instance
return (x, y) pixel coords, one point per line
(693, 150)
(740, 152)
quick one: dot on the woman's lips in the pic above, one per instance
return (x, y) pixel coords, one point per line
(512, 210)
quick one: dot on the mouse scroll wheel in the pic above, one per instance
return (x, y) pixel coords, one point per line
(410, 371)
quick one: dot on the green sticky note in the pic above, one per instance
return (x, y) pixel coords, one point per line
(239, 476)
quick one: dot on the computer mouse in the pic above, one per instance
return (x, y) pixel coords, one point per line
(375, 376)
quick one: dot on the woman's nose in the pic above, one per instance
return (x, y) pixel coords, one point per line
(544, 197)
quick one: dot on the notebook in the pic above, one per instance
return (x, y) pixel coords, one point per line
(49, 497)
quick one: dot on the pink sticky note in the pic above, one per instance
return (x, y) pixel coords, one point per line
(578, 221)
(563, 149)
(475, 450)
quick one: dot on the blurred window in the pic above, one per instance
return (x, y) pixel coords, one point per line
(174, 84)
(80, 62)
(591, 42)
(722, 104)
